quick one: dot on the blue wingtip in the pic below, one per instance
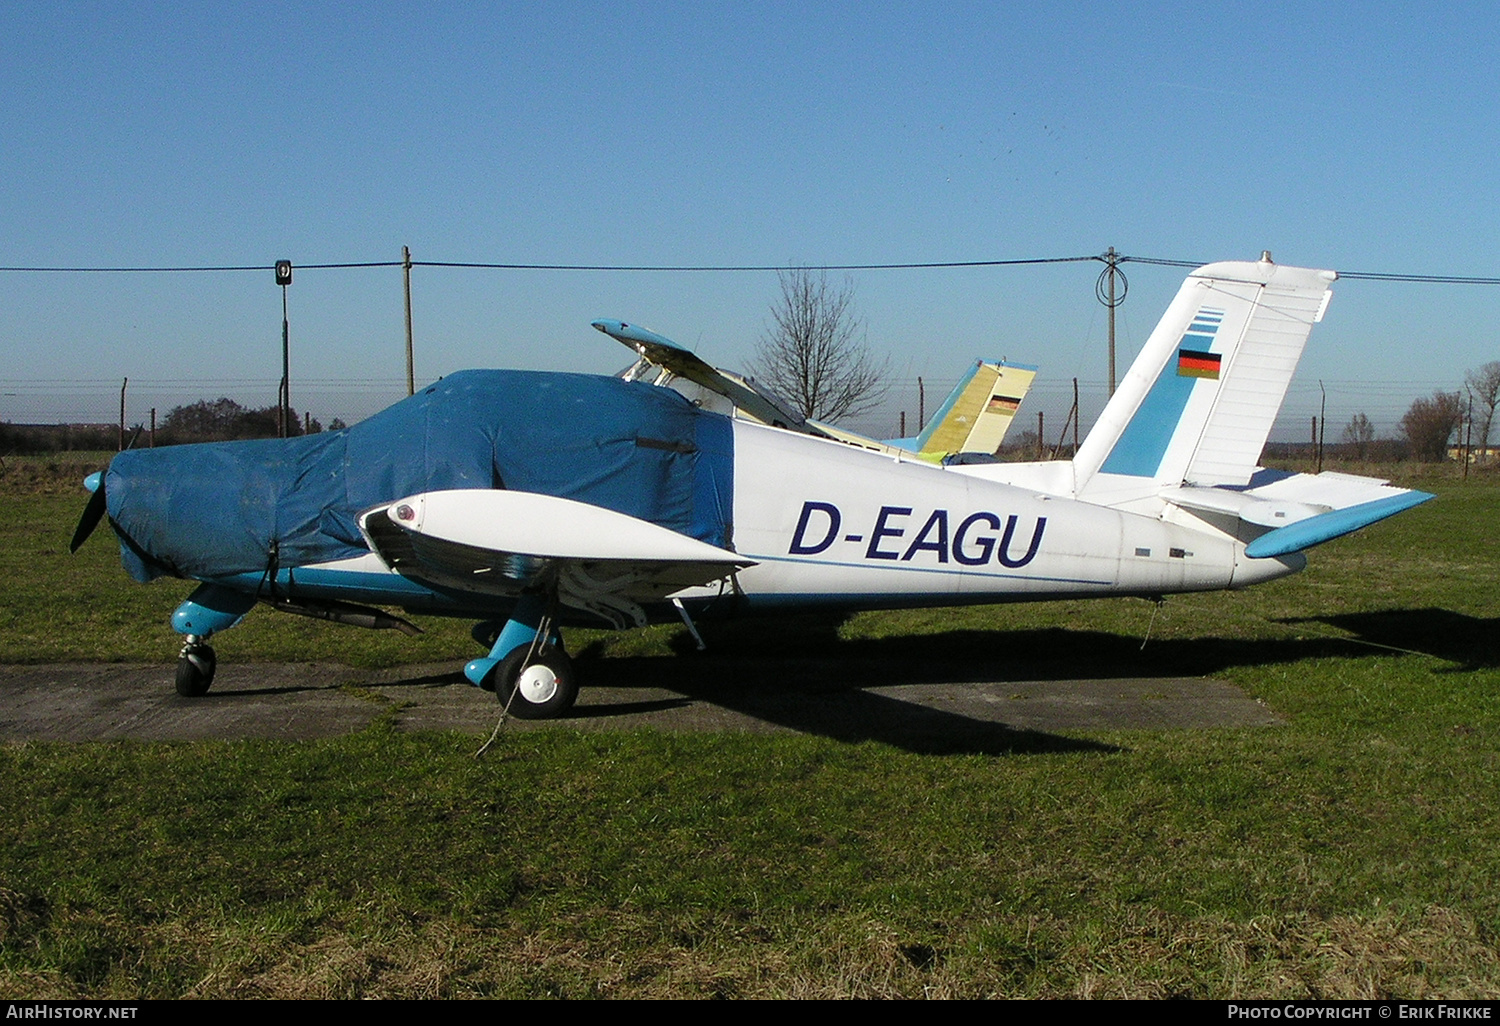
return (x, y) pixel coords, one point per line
(92, 481)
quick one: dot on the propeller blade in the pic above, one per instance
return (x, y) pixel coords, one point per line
(92, 514)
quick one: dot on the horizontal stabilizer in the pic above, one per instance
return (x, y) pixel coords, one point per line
(1252, 509)
(1302, 510)
(1335, 524)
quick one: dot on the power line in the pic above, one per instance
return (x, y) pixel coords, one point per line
(564, 267)
(1427, 279)
(1431, 279)
(1388, 276)
(174, 270)
(757, 267)
(1158, 261)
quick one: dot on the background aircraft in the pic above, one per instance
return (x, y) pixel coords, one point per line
(528, 500)
(973, 419)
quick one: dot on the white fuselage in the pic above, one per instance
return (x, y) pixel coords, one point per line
(831, 523)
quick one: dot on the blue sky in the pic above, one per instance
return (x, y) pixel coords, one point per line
(1353, 137)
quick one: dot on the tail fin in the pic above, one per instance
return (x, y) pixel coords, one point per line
(1199, 401)
(978, 412)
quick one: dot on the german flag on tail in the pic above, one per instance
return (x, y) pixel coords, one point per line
(1192, 363)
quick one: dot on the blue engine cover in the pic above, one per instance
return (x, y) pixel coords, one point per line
(222, 508)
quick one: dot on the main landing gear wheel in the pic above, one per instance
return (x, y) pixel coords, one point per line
(544, 690)
(195, 670)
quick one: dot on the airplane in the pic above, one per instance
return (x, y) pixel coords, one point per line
(973, 419)
(527, 500)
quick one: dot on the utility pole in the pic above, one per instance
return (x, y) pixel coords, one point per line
(1077, 415)
(411, 381)
(1322, 423)
(1111, 292)
(121, 447)
(284, 278)
(1469, 437)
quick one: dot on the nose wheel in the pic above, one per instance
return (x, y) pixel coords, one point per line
(541, 689)
(195, 668)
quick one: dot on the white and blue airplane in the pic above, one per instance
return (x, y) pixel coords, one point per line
(531, 500)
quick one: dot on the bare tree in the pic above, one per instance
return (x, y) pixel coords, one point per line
(815, 353)
(1429, 423)
(1484, 382)
(1359, 433)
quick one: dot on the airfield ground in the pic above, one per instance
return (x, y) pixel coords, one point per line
(90, 702)
(1288, 793)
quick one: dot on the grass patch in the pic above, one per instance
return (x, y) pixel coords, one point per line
(1350, 853)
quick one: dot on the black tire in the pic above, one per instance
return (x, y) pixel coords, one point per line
(195, 671)
(552, 686)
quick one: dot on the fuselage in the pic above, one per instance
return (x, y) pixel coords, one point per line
(832, 524)
(824, 523)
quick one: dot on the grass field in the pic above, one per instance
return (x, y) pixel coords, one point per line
(1352, 852)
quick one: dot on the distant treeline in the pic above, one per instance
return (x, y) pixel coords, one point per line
(1023, 448)
(217, 420)
(1376, 450)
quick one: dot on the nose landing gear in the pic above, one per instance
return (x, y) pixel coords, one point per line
(195, 667)
(543, 682)
(527, 667)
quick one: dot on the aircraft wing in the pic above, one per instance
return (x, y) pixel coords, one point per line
(671, 357)
(862, 441)
(499, 542)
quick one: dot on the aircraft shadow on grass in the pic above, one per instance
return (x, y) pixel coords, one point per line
(798, 673)
(1469, 642)
(813, 695)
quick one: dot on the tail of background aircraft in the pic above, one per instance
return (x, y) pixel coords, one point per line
(973, 419)
(977, 413)
(1199, 401)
